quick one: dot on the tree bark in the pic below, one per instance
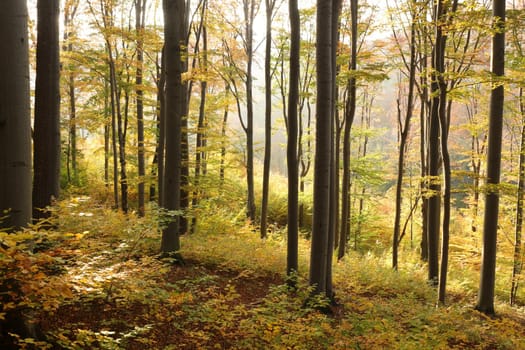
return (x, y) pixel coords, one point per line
(46, 158)
(174, 12)
(349, 119)
(517, 265)
(268, 113)
(140, 17)
(321, 200)
(487, 282)
(15, 120)
(293, 130)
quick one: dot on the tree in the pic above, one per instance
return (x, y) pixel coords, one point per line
(292, 145)
(244, 33)
(250, 8)
(323, 136)
(140, 18)
(438, 91)
(70, 10)
(46, 137)
(404, 126)
(516, 38)
(485, 301)
(174, 35)
(349, 119)
(200, 142)
(15, 121)
(270, 6)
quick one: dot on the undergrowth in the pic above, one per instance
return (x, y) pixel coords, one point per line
(97, 283)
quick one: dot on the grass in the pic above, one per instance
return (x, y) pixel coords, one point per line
(98, 284)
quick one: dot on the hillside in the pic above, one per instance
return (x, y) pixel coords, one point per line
(97, 283)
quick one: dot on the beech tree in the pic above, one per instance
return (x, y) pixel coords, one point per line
(140, 19)
(15, 120)
(404, 126)
(292, 145)
(487, 282)
(46, 136)
(174, 35)
(70, 11)
(320, 270)
(350, 109)
(270, 7)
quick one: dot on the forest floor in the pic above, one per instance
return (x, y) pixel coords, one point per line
(98, 283)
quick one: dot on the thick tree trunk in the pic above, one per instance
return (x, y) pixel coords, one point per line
(321, 200)
(15, 120)
(46, 159)
(485, 302)
(174, 12)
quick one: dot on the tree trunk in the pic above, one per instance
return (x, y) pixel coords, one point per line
(200, 157)
(249, 16)
(517, 265)
(349, 119)
(405, 130)
(293, 129)
(161, 144)
(140, 17)
(434, 201)
(46, 158)
(15, 119)
(321, 195)
(268, 115)
(174, 12)
(485, 302)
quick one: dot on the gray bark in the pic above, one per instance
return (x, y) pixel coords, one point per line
(487, 282)
(15, 122)
(46, 158)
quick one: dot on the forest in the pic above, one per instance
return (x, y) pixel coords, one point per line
(249, 174)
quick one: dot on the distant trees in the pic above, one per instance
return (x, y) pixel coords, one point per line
(15, 121)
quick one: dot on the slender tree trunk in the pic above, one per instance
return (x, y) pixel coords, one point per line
(292, 149)
(46, 159)
(405, 130)
(249, 16)
(70, 9)
(224, 124)
(517, 265)
(200, 153)
(161, 144)
(444, 123)
(267, 115)
(423, 149)
(349, 119)
(434, 201)
(15, 119)
(485, 302)
(140, 17)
